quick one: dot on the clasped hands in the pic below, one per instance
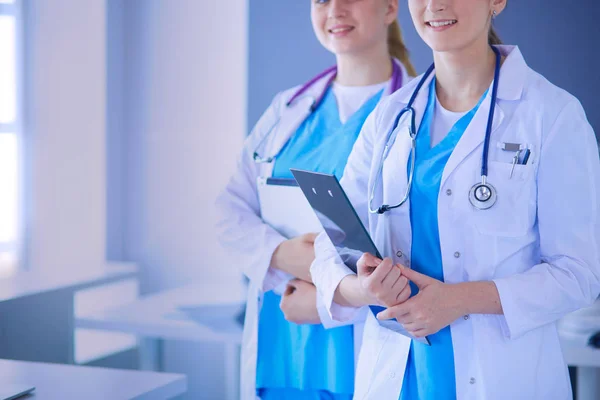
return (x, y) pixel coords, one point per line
(435, 306)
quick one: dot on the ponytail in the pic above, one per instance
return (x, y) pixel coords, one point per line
(398, 49)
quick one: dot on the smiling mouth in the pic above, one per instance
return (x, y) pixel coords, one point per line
(341, 30)
(439, 24)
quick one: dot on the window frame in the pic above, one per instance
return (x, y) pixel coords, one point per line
(15, 9)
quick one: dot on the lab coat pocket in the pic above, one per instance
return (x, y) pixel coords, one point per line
(514, 211)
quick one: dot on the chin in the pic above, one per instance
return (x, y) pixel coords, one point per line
(349, 49)
(443, 46)
(343, 50)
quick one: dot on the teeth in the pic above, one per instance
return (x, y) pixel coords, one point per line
(437, 24)
(338, 30)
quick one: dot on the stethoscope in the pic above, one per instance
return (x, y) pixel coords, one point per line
(395, 85)
(482, 195)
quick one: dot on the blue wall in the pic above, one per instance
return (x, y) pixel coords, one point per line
(558, 38)
(283, 51)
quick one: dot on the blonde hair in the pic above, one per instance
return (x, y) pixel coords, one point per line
(398, 49)
(493, 37)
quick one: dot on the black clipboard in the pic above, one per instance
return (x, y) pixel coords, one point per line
(337, 215)
(343, 226)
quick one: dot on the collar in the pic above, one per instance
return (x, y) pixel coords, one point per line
(512, 76)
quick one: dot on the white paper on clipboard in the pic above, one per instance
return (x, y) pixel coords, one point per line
(285, 208)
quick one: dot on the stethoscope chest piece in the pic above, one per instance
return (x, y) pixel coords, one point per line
(483, 195)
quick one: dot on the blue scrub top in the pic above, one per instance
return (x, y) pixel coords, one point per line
(307, 362)
(430, 369)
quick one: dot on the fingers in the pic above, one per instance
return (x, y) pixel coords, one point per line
(399, 310)
(417, 278)
(413, 326)
(310, 237)
(382, 270)
(392, 278)
(383, 283)
(421, 333)
(366, 264)
(383, 315)
(295, 282)
(287, 300)
(405, 319)
(401, 282)
(303, 286)
(369, 260)
(404, 294)
(373, 283)
(289, 289)
(283, 302)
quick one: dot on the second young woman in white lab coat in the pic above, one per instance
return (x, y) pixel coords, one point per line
(280, 359)
(490, 282)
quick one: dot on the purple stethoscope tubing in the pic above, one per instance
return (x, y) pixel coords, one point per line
(395, 85)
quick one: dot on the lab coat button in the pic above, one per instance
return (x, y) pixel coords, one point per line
(399, 253)
(466, 317)
(449, 192)
(392, 375)
(472, 381)
(457, 255)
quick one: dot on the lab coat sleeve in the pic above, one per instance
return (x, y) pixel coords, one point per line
(568, 278)
(328, 322)
(328, 269)
(240, 228)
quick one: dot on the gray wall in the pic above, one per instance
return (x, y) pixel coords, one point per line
(176, 117)
(558, 38)
(66, 133)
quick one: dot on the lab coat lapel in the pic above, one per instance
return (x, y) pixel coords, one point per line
(400, 149)
(392, 181)
(291, 118)
(293, 115)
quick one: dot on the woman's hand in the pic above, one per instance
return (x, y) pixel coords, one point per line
(299, 303)
(436, 306)
(295, 256)
(382, 282)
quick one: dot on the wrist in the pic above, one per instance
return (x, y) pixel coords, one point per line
(277, 259)
(349, 292)
(362, 296)
(460, 299)
(479, 297)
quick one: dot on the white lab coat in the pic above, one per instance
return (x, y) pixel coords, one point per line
(244, 234)
(539, 243)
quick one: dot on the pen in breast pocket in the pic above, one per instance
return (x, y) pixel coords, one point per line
(526, 157)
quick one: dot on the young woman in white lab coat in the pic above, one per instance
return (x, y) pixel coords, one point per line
(485, 285)
(287, 353)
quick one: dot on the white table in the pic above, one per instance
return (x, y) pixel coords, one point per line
(58, 381)
(40, 304)
(160, 317)
(29, 283)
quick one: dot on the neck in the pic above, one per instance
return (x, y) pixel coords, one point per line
(364, 69)
(463, 76)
